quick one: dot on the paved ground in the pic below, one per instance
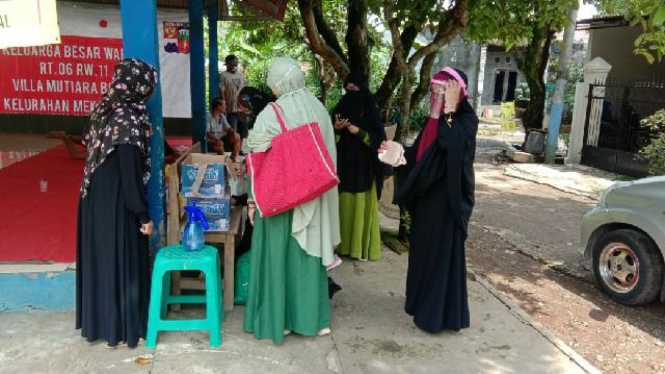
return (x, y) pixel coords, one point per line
(542, 221)
(524, 240)
(578, 179)
(371, 334)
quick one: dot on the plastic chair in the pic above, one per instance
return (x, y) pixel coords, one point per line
(177, 258)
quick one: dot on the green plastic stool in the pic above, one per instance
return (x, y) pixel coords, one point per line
(175, 258)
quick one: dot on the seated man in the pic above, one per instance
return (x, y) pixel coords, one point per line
(220, 136)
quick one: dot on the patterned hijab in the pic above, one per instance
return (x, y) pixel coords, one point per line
(121, 117)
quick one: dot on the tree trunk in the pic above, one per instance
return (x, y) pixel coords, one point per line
(532, 61)
(321, 75)
(356, 37)
(316, 42)
(394, 73)
(423, 85)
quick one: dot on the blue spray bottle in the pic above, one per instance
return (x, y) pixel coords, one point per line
(193, 237)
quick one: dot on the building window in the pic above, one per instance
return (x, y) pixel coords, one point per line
(505, 82)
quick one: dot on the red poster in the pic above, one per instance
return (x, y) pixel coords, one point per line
(63, 79)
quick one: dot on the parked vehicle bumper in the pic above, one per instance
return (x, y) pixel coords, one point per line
(593, 219)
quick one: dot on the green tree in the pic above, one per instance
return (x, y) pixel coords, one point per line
(527, 28)
(405, 20)
(650, 14)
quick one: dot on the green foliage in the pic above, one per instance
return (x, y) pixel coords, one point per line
(418, 118)
(511, 22)
(575, 75)
(257, 43)
(334, 95)
(522, 92)
(650, 14)
(654, 153)
(405, 221)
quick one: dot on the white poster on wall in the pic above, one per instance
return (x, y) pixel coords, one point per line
(28, 23)
(174, 61)
(78, 19)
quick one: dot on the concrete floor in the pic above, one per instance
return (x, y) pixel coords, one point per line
(371, 334)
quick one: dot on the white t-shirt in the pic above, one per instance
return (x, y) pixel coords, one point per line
(230, 85)
(217, 128)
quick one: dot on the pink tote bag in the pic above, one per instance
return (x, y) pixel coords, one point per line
(297, 168)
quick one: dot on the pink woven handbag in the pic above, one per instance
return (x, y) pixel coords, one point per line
(297, 168)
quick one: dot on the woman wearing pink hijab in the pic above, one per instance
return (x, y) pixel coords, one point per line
(437, 189)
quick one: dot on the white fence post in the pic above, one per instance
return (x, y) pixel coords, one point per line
(595, 72)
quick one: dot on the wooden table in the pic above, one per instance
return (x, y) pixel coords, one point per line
(177, 220)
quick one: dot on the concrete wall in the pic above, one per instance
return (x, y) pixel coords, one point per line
(615, 45)
(462, 55)
(496, 61)
(38, 291)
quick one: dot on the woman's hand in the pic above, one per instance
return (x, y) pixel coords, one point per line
(353, 129)
(341, 123)
(251, 210)
(383, 146)
(451, 96)
(147, 228)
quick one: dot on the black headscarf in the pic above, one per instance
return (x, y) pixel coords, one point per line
(358, 165)
(450, 158)
(121, 117)
(254, 99)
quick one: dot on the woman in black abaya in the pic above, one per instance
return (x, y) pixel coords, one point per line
(112, 265)
(437, 189)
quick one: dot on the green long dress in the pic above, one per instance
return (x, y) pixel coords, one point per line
(288, 286)
(359, 221)
(288, 289)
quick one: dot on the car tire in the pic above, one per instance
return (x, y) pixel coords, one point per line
(641, 283)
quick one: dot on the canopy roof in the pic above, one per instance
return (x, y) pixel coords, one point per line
(261, 9)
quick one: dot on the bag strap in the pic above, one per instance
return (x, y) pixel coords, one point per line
(280, 116)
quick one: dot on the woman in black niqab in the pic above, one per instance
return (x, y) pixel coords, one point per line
(359, 133)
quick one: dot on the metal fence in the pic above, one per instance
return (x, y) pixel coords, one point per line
(612, 132)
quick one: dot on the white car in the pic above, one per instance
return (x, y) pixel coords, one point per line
(624, 235)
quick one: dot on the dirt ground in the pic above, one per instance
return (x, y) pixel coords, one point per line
(524, 239)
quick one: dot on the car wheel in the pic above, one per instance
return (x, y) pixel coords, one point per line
(628, 267)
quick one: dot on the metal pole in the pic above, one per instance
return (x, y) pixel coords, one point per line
(140, 40)
(197, 72)
(213, 58)
(556, 112)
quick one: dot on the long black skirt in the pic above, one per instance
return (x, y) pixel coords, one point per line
(113, 268)
(436, 290)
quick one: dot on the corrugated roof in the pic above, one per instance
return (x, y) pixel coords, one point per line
(263, 9)
(180, 4)
(601, 22)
